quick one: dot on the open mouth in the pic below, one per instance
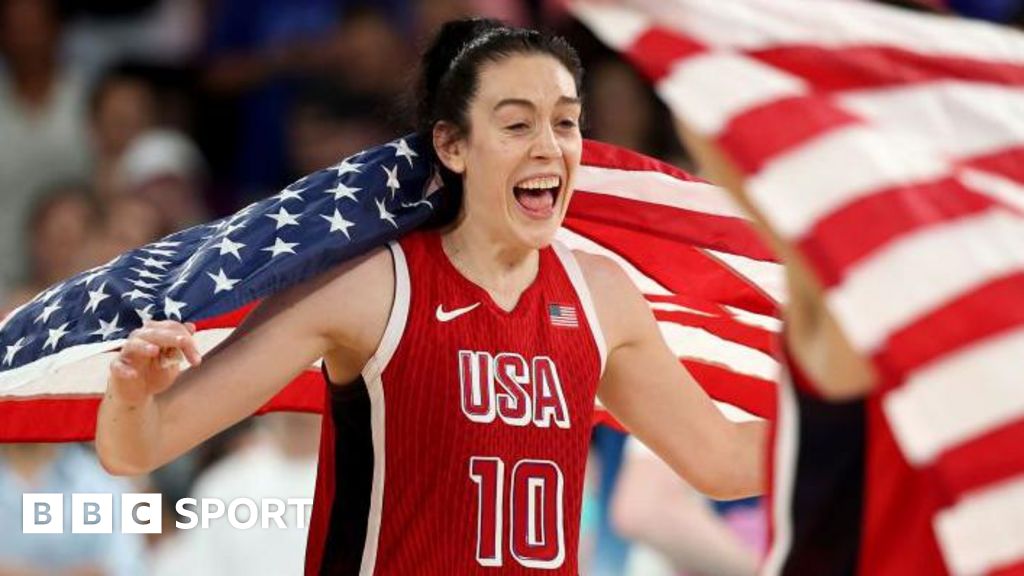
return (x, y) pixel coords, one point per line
(537, 196)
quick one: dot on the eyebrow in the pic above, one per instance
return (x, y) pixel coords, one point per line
(528, 104)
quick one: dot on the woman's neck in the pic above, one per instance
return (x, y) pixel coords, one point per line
(504, 271)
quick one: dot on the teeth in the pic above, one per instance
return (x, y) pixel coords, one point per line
(540, 183)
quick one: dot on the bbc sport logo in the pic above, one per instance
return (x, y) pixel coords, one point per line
(142, 513)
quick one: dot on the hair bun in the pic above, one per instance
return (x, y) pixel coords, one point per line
(447, 44)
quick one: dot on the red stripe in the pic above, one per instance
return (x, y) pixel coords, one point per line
(984, 312)
(752, 394)
(831, 69)
(680, 268)
(984, 460)
(1014, 568)
(759, 134)
(722, 233)
(1007, 162)
(49, 419)
(724, 327)
(843, 238)
(601, 155)
(658, 49)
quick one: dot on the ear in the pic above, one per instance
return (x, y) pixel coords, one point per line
(450, 146)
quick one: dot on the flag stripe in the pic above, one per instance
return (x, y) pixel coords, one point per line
(977, 534)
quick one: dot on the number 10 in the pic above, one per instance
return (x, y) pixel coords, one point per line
(536, 533)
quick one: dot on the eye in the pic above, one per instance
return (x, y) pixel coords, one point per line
(567, 123)
(518, 127)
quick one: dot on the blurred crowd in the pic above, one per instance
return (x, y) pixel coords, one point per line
(124, 120)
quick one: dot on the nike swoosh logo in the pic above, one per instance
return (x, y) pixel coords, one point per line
(447, 316)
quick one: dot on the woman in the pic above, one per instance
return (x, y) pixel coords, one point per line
(463, 360)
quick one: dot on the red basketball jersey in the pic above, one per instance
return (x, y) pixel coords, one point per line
(462, 449)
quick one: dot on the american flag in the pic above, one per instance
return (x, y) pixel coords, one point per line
(563, 315)
(709, 280)
(888, 148)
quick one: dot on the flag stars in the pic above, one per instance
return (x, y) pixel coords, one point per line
(384, 214)
(227, 246)
(88, 278)
(283, 218)
(153, 263)
(44, 317)
(223, 283)
(108, 329)
(172, 308)
(145, 314)
(338, 223)
(135, 294)
(288, 194)
(342, 191)
(347, 167)
(392, 183)
(402, 149)
(95, 297)
(143, 273)
(12, 350)
(281, 247)
(55, 335)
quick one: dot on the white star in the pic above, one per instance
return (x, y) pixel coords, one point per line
(44, 317)
(283, 218)
(402, 149)
(345, 167)
(153, 263)
(88, 278)
(95, 297)
(45, 296)
(338, 223)
(224, 283)
(12, 350)
(342, 191)
(159, 252)
(107, 329)
(281, 247)
(143, 273)
(232, 227)
(288, 194)
(172, 307)
(384, 214)
(144, 313)
(165, 244)
(141, 284)
(135, 294)
(55, 335)
(227, 246)
(393, 183)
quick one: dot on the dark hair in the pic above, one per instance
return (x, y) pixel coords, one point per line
(449, 76)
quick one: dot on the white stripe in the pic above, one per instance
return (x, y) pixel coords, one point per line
(768, 276)
(672, 307)
(579, 282)
(787, 433)
(753, 319)
(959, 397)
(688, 342)
(709, 89)
(617, 27)
(921, 271)
(958, 118)
(798, 188)
(996, 187)
(372, 373)
(643, 282)
(657, 188)
(734, 413)
(984, 531)
(759, 24)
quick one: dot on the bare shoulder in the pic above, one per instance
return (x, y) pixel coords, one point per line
(620, 307)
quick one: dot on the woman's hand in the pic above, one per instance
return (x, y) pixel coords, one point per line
(150, 359)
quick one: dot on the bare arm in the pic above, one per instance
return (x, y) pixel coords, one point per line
(649, 391)
(151, 413)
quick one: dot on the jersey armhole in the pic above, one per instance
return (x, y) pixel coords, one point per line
(396, 319)
(575, 273)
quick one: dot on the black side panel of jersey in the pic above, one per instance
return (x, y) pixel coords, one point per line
(829, 485)
(353, 477)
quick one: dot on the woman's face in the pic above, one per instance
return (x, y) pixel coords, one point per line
(520, 156)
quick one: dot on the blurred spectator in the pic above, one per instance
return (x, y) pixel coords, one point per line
(165, 168)
(328, 123)
(656, 508)
(64, 469)
(122, 106)
(280, 463)
(42, 132)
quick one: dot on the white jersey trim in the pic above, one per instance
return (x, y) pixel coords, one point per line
(572, 269)
(375, 388)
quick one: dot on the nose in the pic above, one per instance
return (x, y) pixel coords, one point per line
(545, 145)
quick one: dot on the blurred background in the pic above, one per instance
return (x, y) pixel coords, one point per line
(124, 120)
